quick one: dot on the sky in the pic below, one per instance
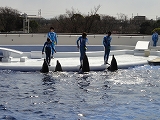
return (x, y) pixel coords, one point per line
(53, 8)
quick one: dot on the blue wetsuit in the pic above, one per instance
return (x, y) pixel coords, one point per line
(82, 42)
(155, 38)
(106, 43)
(48, 47)
(53, 37)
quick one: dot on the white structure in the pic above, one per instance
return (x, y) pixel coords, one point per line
(142, 48)
(33, 60)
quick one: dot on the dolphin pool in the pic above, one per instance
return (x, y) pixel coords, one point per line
(128, 94)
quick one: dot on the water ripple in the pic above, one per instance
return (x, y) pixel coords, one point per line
(126, 94)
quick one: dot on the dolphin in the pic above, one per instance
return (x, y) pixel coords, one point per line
(45, 68)
(58, 67)
(85, 64)
(113, 66)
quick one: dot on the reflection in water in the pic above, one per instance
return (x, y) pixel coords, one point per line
(83, 80)
(49, 82)
(47, 79)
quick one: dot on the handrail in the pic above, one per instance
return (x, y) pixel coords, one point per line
(7, 53)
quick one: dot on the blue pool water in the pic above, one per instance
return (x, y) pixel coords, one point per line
(128, 94)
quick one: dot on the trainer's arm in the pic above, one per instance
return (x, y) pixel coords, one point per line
(78, 42)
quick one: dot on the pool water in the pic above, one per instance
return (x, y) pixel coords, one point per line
(132, 93)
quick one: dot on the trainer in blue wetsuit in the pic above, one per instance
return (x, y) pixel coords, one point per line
(48, 47)
(106, 42)
(53, 37)
(155, 38)
(81, 44)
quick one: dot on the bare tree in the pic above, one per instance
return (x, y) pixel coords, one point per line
(89, 20)
(63, 23)
(122, 19)
(76, 20)
(108, 23)
(9, 18)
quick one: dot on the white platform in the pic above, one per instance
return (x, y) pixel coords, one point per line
(72, 63)
(32, 61)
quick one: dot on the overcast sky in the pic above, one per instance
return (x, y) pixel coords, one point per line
(52, 8)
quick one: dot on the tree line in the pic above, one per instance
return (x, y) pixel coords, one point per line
(74, 22)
